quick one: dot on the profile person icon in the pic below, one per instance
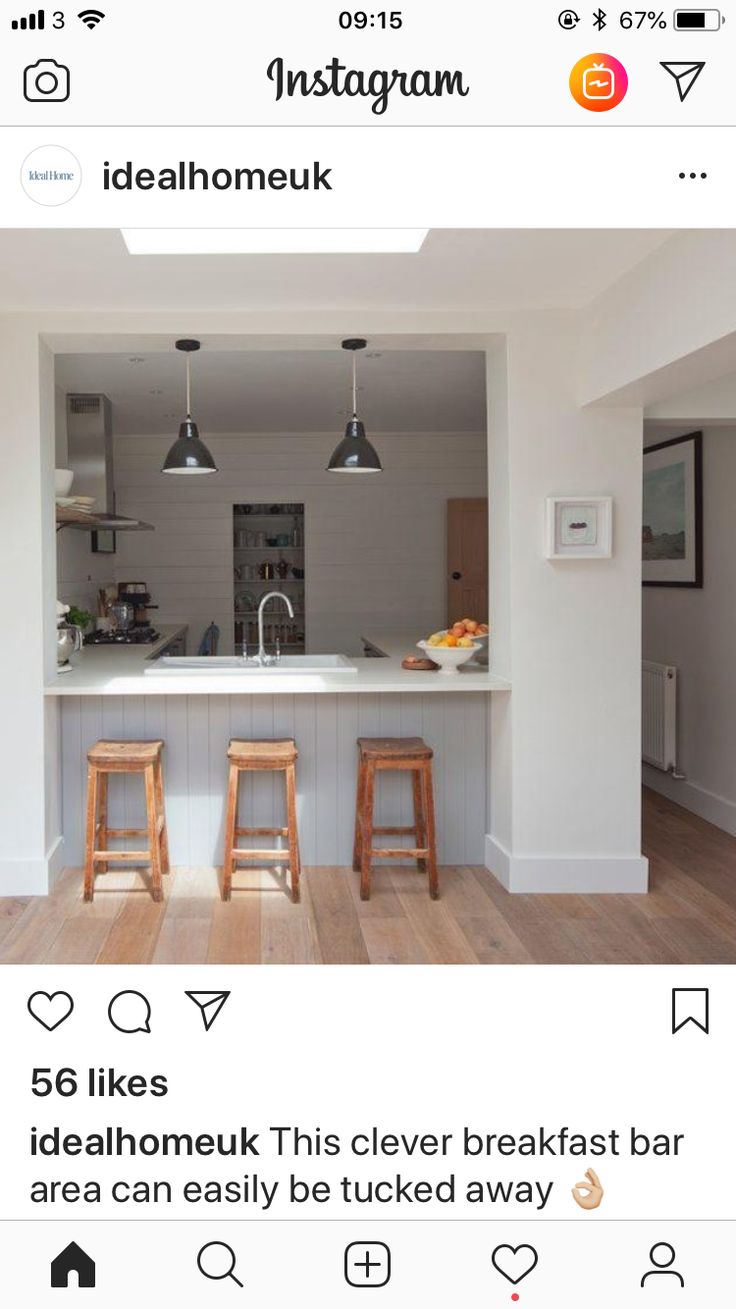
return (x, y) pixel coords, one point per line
(662, 1256)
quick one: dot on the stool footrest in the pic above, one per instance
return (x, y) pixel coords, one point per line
(283, 855)
(121, 856)
(401, 852)
(395, 831)
(261, 831)
(122, 833)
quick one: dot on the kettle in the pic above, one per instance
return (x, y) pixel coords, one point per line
(68, 642)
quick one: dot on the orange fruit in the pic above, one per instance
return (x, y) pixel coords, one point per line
(451, 639)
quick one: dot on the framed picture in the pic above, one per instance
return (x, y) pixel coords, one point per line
(579, 527)
(672, 528)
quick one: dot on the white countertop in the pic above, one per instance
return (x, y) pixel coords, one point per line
(119, 670)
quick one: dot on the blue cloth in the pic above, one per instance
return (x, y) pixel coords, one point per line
(210, 641)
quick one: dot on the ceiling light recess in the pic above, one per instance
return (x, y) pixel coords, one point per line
(273, 240)
(189, 454)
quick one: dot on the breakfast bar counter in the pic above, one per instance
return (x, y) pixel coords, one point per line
(121, 671)
(108, 695)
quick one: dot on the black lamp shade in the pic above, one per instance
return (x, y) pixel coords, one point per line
(189, 454)
(354, 454)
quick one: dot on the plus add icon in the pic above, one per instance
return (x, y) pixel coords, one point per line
(367, 1263)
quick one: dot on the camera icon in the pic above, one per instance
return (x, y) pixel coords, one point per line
(46, 80)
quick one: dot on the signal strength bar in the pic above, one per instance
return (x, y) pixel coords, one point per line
(32, 23)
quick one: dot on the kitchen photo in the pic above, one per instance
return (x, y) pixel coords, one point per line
(331, 645)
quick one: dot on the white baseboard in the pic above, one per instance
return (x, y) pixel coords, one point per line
(23, 877)
(20, 877)
(713, 808)
(567, 875)
(55, 860)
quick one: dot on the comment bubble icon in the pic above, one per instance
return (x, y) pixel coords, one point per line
(130, 1012)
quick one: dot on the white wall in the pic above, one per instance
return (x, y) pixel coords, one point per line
(567, 817)
(375, 547)
(26, 535)
(695, 629)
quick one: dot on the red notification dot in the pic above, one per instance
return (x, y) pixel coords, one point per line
(514, 1296)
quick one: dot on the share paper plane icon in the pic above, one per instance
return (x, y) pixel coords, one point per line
(685, 75)
(209, 1004)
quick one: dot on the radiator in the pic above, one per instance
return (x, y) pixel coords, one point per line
(659, 715)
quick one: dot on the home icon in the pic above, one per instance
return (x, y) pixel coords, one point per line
(73, 1260)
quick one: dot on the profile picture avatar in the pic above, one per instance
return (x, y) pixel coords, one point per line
(46, 80)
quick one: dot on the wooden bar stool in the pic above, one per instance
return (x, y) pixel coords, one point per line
(261, 756)
(144, 759)
(401, 754)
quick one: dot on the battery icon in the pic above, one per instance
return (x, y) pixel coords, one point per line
(697, 20)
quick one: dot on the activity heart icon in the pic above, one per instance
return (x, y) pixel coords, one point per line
(514, 1262)
(50, 1010)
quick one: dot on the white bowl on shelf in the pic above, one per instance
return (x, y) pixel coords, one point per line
(63, 478)
(450, 658)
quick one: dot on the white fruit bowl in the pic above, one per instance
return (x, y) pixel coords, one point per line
(450, 658)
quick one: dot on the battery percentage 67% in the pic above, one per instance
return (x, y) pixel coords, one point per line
(638, 18)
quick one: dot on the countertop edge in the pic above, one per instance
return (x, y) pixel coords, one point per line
(374, 677)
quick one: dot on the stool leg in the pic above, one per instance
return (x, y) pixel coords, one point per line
(154, 847)
(231, 822)
(91, 831)
(101, 837)
(366, 829)
(428, 795)
(359, 803)
(420, 826)
(161, 812)
(294, 862)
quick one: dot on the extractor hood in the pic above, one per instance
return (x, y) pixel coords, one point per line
(90, 455)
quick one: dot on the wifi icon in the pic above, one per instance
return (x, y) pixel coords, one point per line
(91, 18)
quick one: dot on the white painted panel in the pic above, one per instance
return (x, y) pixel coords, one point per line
(196, 731)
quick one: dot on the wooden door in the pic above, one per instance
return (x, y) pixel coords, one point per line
(467, 560)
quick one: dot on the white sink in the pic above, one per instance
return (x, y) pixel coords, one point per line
(209, 664)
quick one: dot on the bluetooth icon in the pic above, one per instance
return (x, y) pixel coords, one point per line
(599, 19)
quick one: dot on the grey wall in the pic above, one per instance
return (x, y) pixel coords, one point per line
(696, 630)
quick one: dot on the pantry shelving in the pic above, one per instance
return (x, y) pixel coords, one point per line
(268, 555)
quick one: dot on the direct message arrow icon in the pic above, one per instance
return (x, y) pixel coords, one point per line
(685, 75)
(209, 1004)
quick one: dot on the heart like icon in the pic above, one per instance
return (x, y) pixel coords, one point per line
(50, 1010)
(514, 1262)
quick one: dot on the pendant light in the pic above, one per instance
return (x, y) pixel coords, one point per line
(189, 454)
(354, 454)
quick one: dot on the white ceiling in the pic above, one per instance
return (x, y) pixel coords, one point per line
(456, 269)
(286, 391)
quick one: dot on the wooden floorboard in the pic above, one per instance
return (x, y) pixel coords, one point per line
(688, 917)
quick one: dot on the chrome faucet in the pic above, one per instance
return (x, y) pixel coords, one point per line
(262, 658)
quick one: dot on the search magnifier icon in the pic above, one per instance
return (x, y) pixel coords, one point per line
(216, 1260)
